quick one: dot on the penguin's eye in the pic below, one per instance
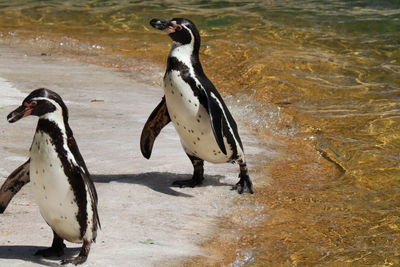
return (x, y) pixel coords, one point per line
(33, 104)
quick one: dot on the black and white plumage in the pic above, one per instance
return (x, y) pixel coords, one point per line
(204, 124)
(60, 180)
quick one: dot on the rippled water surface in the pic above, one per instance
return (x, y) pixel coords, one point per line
(332, 68)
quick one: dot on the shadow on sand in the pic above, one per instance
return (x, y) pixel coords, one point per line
(26, 253)
(158, 181)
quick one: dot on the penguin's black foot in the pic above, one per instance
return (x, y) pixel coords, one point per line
(244, 185)
(198, 174)
(76, 261)
(51, 252)
(187, 183)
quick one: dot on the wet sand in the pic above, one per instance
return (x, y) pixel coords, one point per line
(145, 221)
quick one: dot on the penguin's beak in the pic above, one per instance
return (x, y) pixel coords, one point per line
(19, 113)
(166, 26)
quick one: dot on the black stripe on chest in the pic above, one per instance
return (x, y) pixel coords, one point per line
(70, 170)
(185, 75)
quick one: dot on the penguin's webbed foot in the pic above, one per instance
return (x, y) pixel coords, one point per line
(76, 261)
(51, 252)
(83, 254)
(198, 174)
(244, 185)
(187, 183)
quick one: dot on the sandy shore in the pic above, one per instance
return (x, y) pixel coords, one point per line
(145, 221)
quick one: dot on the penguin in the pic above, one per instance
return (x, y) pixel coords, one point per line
(61, 182)
(200, 116)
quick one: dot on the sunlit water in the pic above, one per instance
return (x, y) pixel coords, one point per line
(327, 75)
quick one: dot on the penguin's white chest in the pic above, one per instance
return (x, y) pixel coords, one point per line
(191, 120)
(52, 190)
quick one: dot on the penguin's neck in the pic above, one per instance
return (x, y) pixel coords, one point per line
(54, 124)
(186, 54)
(180, 51)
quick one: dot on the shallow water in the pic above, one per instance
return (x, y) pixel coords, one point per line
(326, 79)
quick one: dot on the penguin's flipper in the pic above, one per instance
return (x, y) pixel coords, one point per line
(84, 173)
(157, 120)
(215, 110)
(14, 182)
(92, 193)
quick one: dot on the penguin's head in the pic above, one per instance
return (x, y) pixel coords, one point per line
(39, 102)
(181, 31)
